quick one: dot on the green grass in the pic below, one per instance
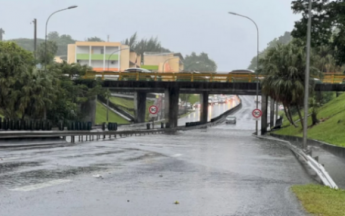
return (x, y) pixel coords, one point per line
(331, 127)
(101, 115)
(321, 200)
(129, 103)
(194, 98)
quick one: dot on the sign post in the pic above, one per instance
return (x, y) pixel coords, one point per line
(257, 113)
(153, 110)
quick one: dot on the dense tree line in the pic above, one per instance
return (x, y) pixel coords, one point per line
(28, 92)
(284, 63)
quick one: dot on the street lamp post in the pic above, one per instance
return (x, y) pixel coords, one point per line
(114, 53)
(46, 35)
(257, 66)
(306, 85)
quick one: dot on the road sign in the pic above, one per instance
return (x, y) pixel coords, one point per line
(257, 114)
(153, 109)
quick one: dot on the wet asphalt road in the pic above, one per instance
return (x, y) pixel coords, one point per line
(221, 170)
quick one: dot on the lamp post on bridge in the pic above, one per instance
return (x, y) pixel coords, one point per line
(116, 51)
(46, 34)
(257, 66)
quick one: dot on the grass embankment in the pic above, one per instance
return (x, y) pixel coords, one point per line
(129, 104)
(321, 200)
(194, 98)
(331, 127)
(101, 115)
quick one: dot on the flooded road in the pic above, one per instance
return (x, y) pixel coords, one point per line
(221, 170)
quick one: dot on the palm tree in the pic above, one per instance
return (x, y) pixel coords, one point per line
(284, 67)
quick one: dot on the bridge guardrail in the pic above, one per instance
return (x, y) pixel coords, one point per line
(311, 162)
(193, 77)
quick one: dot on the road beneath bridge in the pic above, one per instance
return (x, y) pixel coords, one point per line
(222, 170)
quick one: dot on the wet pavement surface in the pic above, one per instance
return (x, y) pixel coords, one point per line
(221, 170)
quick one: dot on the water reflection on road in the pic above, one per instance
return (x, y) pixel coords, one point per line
(221, 170)
(214, 110)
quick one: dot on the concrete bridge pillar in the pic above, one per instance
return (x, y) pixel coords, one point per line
(264, 100)
(89, 110)
(171, 106)
(272, 109)
(204, 107)
(140, 106)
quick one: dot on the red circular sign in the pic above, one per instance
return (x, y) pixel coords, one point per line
(257, 113)
(153, 109)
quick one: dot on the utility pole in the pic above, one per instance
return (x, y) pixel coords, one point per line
(35, 36)
(306, 85)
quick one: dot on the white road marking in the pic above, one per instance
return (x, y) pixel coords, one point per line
(41, 185)
(177, 155)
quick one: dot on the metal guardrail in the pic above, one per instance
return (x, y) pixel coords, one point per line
(311, 162)
(196, 77)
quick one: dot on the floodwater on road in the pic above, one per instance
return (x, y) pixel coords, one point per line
(221, 170)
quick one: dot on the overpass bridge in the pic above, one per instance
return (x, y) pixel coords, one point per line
(173, 84)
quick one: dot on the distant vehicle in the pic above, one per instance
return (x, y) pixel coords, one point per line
(215, 101)
(281, 107)
(143, 70)
(242, 71)
(230, 120)
(209, 102)
(134, 70)
(189, 106)
(196, 105)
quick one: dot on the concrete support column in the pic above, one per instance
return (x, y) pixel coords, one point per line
(272, 102)
(140, 106)
(264, 100)
(171, 106)
(204, 107)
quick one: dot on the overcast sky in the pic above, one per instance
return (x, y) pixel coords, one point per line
(181, 25)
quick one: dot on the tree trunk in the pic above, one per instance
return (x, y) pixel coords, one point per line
(314, 117)
(287, 115)
(289, 112)
(300, 115)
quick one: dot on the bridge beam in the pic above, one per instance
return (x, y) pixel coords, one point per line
(171, 106)
(140, 106)
(272, 108)
(264, 100)
(204, 107)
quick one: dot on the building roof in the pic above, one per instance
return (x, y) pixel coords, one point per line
(179, 55)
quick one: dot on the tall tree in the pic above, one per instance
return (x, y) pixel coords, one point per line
(328, 25)
(144, 45)
(284, 67)
(201, 63)
(95, 39)
(1, 33)
(284, 39)
(46, 55)
(16, 64)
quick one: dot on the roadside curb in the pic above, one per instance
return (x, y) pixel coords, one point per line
(311, 163)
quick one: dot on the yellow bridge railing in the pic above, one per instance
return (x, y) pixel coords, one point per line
(196, 77)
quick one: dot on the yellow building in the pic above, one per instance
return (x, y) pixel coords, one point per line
(163, 62)
(101, 56)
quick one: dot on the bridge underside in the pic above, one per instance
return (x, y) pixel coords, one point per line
(173, 89)
(184, 87)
